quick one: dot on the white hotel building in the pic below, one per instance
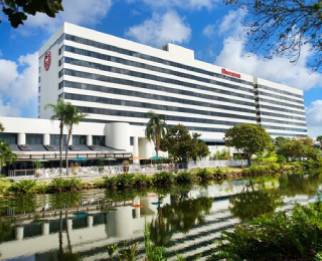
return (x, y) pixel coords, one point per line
(115, 82)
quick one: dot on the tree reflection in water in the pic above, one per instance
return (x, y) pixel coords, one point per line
(178, 216)
(253, 203)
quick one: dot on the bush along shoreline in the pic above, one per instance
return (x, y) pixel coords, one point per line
(139, 181)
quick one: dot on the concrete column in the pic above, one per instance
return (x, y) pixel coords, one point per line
(136, 158)
(46, 139)
(90, 221)
(70, 141)
(89, 140)
(45, 228)
(21, 138)
(19, 233)
(69, 224)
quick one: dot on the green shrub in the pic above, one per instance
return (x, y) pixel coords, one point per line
(63, 185)
(163, 179)
(275, 237)
(121, 181)
(141, 181)
(23, 187)
(4, 186)
(204, 175)
(185, 178)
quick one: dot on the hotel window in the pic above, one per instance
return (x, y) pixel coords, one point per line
(34, 139)
(9, 138)
(79, 140)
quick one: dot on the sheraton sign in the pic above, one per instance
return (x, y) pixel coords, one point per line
(230, 73)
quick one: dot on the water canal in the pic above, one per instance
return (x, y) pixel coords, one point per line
(186, 221)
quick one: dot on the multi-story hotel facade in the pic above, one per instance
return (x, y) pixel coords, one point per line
(115, 82)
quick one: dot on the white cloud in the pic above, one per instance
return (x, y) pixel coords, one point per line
(314, 118)
(234, 56)
(82, 12)
(161, 29)
(233, 20)
(18, 88)
(183, 4)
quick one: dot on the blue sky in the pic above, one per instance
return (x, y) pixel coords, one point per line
(215, 31)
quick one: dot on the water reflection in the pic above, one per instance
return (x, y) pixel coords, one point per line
(86, 226)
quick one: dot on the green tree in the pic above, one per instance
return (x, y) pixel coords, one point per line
(17, 11)
(199, 148)
(296, 149)
(156, 129)
(73, 116)
(250, 138)
(183, 147)
(319, 139)
(59, 113)
(6, 154)
(284, 27)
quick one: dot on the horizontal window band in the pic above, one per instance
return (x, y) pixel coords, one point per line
(268, 121)
(122, 113)
(270, 95)
(286, 117)
(108, 47)
(127, 72)
(110, 58)
(97, 88)
(281, 109)
(279, 91)
(143, 85)
(283, 128)
(106, 101)
(274, 102)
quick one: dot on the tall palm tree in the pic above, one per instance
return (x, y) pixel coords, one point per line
(59, 110)
(73, 117)
(156, 129)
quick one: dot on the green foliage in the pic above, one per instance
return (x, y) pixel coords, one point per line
(204, 175)
(250, 138)
(156, 129)
(262, 170)
(275, 237)
(4, 185)
(296, 149)
(6, 155)
(129, 253)
(163, 179)
(18, 11)
(23, 187)
(185, 178)
(63, 185)
(254, 203)
(319, 139)
(153, 252)
(183, 147)
(222, 155)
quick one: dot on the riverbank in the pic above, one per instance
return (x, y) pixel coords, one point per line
(139, 181)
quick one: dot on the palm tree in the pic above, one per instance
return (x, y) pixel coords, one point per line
(156, 129)
(6, 155)
(59, 110)
(1, 127)
(73, 116)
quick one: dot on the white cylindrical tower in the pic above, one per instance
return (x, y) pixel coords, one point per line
(118, 135)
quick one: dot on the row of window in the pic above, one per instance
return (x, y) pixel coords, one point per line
(106, 101)
(112, 69)
(264, 113)
(38, 139)
(152, 68)
(150, 58)
(281, 109)
(279, 91)
(134, 114)
(301, 107)
(148, 86)
(268, 120)
(270, 95)
(153, 97)
(283, 128)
